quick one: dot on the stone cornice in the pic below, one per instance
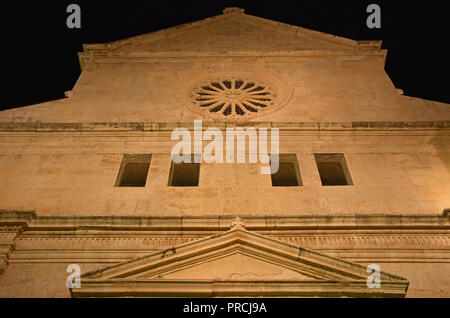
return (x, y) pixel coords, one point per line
(199, 54)
(287, 126)
(28, 238)
(21, 219)
(91, 57)
(350, 223)
(192, 288)
(11, 226)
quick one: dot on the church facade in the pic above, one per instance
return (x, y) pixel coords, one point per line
(361, 190)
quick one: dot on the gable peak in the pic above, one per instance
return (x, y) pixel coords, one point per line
(228, 10)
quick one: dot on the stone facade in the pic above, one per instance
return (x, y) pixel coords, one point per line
(59, 163)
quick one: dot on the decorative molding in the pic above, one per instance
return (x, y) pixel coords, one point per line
(100, 243)
(296, 271)
(149, 241)
(197, 288)
(3, 264)
(227, 68)
(370, 241)
(119, 127)
(8, 236)
(94, 58)
(14, 217)
(237, 223)
(190, 224)
(65, 237)
(11, 229)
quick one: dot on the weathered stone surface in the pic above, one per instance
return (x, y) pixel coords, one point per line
(59, 160)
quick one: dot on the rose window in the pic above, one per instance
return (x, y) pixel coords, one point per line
(237, 97)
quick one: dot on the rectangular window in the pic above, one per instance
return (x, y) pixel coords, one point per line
(333, 169)
(184, 174)
(288, 174)
(133, 171)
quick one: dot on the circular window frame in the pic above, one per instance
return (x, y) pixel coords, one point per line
(189, 86)
(232, 97)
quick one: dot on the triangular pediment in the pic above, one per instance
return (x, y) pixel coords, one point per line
(237, 263)
(233, 31)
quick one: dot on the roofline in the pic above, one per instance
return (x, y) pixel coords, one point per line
(230, 14)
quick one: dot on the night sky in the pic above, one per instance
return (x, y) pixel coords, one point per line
(39, 52)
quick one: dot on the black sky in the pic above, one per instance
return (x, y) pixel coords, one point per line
(39, 52)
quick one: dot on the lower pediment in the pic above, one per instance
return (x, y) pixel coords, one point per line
(237, 263)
